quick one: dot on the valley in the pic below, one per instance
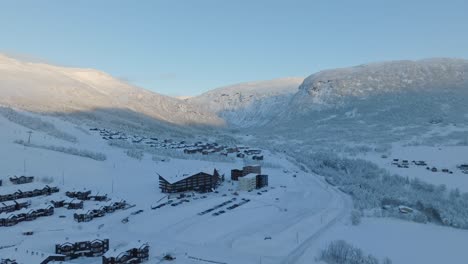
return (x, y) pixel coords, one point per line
(347, 155)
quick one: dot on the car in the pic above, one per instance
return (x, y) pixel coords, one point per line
(259, 193)
(267, 238)
(215, 214)
(224, 195)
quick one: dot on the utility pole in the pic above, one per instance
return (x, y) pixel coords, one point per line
(29, 138)
(24, 167)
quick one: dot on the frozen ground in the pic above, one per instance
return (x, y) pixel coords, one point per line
(441, 157)
(293, 209)
(300, 214)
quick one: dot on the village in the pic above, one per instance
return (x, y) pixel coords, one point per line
(405, 164)
(199, 147)
(25, 199)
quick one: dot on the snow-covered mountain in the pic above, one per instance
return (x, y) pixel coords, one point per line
(46, 88)
(375, 104)
(333, 86)
(250, 103)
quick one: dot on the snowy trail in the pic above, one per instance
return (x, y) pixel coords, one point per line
(343, 204)
(339, 207)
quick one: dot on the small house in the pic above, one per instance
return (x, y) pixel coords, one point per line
(21, 179)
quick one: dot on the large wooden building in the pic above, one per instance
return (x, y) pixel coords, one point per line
(199, 182)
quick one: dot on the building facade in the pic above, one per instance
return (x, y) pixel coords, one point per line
(200, 182)
(248, 182)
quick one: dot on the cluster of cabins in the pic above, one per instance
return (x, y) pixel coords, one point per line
(108, 134)
(23, 215)
(88, 215)
(205, 148)
(11, 206)
(95, 248)
(250, 178)
(86, 196)
(19, 194)
(71, 204)
(212, 148)
(137, 253)
(406, 164)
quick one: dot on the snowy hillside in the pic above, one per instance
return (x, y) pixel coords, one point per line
(251, 103)
(45, 88)
(333, 86)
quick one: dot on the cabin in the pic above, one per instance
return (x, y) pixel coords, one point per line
(192, 150)
(199, 182)
(257, 157)
(79, 195)
(58, 204)
(232, 150)
(253, 152)
(99, 198)
(95, 248)
(136, 254)
(83, 216)
(21, 180)
(74, 204)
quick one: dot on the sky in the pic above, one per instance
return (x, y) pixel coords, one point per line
(184, 48)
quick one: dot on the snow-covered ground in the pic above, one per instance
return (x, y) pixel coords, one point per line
(289, 222)
(403, 242)
(291, 209)
(440, 157)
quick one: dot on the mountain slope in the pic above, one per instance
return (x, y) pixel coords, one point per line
(375, 104)
(251, 103)
(51, 89)
(332, 86)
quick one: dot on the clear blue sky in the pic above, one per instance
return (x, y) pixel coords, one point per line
(180, 47)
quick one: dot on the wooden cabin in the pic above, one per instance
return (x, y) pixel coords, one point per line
(136, 254)
(95, 248)
(21, 179)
